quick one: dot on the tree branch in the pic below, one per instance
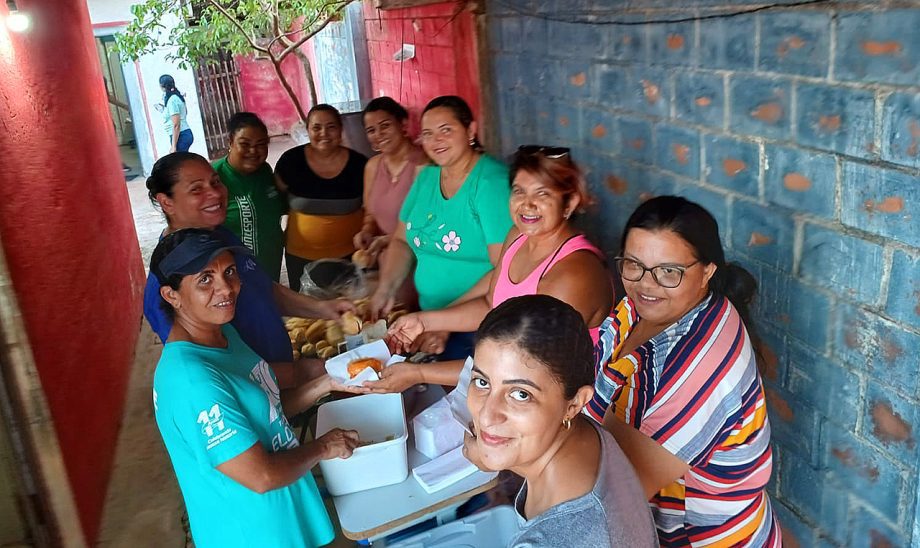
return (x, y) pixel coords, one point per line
(239, 27)
(300, 41)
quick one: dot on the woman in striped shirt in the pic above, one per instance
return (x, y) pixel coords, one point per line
(681, 392)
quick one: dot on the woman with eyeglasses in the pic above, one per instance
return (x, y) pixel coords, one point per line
(543, 254)
(452, 224)
(681, 392)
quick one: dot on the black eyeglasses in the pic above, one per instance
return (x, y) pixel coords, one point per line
(669, 275)
(553, 153)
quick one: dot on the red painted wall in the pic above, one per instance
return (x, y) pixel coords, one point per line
(445, 60)
(263, 94)
(69, 238)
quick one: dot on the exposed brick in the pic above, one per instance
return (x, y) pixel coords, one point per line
(572, 79)
(808, 313)
(795, 43)
(771, 359)
(904, 289)
(796, 533)
(512, 33)
(867, 530)
(801, 180)
(627, 43)
(861, 469)
(534, 33)
(636, 139)
(829, 388)
(901, 129)
(578, 41)
(600, 130)
(878, 46)
(760, 106)
(732, 164)
(885, 351)
(763, 233)
(714, 202)
(794, 426)
(892, 422)
(843, 263)
(611, 84)
(699, 97)
(646, 90)
(836, 118)
(535, 74)
(882, 202)
(568, 123)
(673, 44)
(677, 150)
(728, 43)
(827, 505)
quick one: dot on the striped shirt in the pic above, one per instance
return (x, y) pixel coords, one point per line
(694, 388)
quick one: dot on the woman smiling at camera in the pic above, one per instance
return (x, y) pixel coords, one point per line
(686, 402)
(452, 224)
(533, 375)
(245, 479)
(543, 254)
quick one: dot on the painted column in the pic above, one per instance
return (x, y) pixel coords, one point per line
(68, 236)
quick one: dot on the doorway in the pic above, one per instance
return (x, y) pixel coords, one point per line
(119, 106)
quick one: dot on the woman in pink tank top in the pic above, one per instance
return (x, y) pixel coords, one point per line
(543, 254)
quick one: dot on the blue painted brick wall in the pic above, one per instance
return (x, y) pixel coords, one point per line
(799, 128)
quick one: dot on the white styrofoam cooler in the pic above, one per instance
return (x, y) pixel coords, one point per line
(494, 527)
(374, 416)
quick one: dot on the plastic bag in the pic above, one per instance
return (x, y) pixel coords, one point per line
(333, 278)
(457, 397)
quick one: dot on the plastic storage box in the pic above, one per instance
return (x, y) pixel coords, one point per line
(376, 417)
(494, 527)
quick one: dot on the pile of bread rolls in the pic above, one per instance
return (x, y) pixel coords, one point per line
(321, 338)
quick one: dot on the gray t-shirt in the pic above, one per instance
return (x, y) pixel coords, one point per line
(614, 513)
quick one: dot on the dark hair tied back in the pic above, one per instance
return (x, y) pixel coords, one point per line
(461, 110)
(165, 174)
(241, 120)
(550, 331)
(699, 229)
(388, 105)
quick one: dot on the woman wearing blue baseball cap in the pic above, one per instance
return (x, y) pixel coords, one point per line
(245, 479)
(191, 195)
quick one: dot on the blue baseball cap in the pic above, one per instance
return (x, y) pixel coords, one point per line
(187, 252)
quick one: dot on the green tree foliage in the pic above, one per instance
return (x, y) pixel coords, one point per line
(269, 29)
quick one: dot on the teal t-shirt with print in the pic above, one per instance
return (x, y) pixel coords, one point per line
(211, 405)
(450, 237)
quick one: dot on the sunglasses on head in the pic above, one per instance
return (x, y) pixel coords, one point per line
(553, 153)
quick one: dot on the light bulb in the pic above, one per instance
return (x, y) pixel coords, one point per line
(18, 22)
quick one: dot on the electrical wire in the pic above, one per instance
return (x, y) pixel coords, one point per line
(593, 21)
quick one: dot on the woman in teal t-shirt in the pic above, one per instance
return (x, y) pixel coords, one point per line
(254, 204)
(245, 479)
(175, 116)
(452, 223)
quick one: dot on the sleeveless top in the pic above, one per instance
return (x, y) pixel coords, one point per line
(385, 198)
(506, 289)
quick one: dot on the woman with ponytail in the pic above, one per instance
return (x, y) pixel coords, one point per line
(680, 391)
(174, 116)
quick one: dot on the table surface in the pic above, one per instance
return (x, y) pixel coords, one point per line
(376, 512)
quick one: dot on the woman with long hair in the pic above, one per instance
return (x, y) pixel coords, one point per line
(175, 116)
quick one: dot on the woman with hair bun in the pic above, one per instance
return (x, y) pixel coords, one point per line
(681, 392)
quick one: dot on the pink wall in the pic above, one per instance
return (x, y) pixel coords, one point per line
(69, 238)
(263, 94)
(445, 60)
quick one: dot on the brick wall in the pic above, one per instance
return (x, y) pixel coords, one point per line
(445, 54)
(799, 128)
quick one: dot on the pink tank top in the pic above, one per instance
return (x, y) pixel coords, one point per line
(506, 289)
(386, 197)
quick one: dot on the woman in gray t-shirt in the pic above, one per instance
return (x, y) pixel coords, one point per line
(533, 375)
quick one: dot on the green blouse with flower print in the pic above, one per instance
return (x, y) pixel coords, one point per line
(450, 237)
